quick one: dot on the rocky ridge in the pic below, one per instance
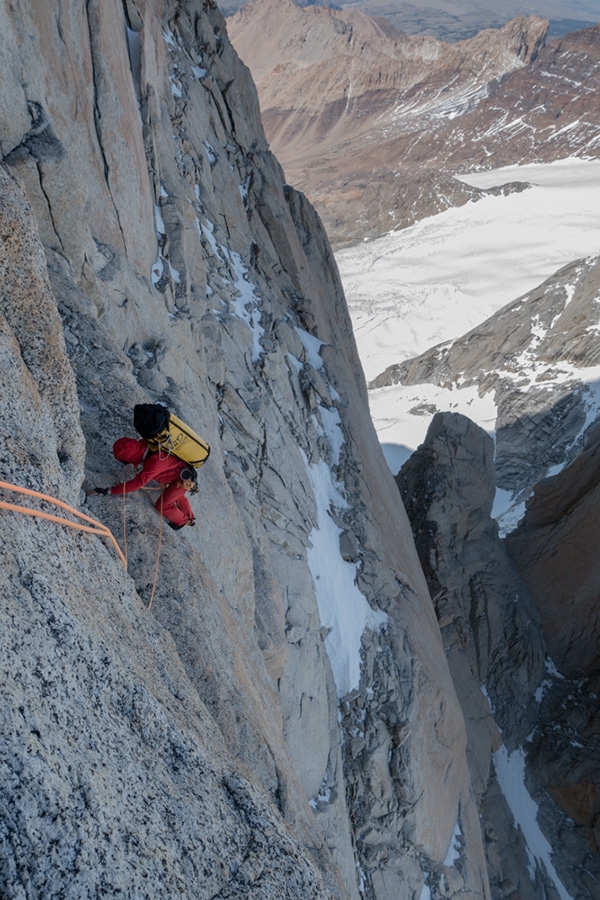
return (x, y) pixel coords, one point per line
(383, 114)
(220, 743)
(436, 19)
(538, 358)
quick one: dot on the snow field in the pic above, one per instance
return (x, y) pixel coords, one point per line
(343, 610)
(510, 771)
(433, 282)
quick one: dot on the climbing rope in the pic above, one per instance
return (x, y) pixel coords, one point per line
(98, 528)
(145, 488)
(158, 553)
(125, 525)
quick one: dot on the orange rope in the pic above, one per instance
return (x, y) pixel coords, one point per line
(125, 524)
(98, 528)
(158, 554)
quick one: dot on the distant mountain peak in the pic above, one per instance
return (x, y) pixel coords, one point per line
(349, 104)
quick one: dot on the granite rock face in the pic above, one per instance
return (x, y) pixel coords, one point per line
(111, 762)
(522, 715)
(40, 388)
(232, 740)
(487, 616)
(557, 537)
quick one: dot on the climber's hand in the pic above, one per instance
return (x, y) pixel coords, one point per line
(97, 491)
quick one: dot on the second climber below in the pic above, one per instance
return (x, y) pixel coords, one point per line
(178, 476)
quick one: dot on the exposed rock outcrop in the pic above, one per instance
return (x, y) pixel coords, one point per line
(538, 356)
(530, 737)
(196, 749)
(488, 620)
(558, 537)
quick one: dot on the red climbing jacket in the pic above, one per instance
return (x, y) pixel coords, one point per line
(161, 467)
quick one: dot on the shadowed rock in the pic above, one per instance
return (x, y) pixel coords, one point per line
(492, 633)
(555, 549)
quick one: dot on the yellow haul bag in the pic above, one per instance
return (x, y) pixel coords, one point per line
(182, 442)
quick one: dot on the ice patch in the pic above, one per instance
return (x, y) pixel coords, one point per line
(158, 221)
(169, 38)
(553, 673)
(175, 85)
(207, 230)
(510, 771)
(343, 610)
(506, 511)
(332, 426)
(453, 854)
(552, 670)
(295, 362)
(157, 271)
(247, 304)
(212, 156)
(324, 795)
(244, 188)
(312, 345)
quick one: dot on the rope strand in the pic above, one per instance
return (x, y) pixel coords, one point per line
(98, 528)
(158, 554)
(125, 526)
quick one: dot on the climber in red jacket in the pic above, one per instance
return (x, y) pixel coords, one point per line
(177, 475)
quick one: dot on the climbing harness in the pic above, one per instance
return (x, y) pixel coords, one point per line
(98, 528)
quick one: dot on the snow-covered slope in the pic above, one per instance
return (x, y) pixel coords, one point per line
(438, 280)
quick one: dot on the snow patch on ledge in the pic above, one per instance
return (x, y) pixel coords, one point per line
(343, 610)
(510, 771)
(453, 854)
(312, 346)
